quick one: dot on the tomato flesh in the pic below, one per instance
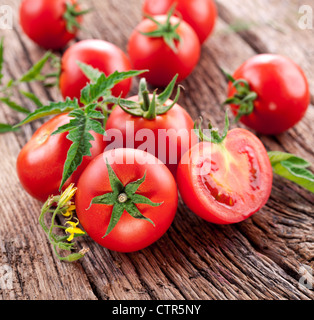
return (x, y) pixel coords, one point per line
(226, 183)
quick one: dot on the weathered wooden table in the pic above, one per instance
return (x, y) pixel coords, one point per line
(261, 258)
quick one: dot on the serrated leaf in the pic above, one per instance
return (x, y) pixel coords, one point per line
(32, 97)
(79, 133)
(292, 168)
(92, 113)
(34, 73)
(4, 128)
(102, 88)
(13, 105)
(53, 108)
(91, 73)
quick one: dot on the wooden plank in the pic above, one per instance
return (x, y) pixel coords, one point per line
(257, 259)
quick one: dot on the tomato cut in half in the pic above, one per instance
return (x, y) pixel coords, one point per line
(226, 183)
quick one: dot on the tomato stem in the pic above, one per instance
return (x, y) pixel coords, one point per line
(167, 31)
(61, 205)
(123, 198)
(146, 107)
(70, 16)
(244, 98)
(214, 137)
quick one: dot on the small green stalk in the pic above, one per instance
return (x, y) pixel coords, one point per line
(62, 206)
(146, 107)
(167, 31)
(70, 16)
(123, 198)
(244, 98)
(214, 137)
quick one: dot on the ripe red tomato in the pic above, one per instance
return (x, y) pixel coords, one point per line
(102, 55)
(282, 93)
(167, 136)
(228, 182)
(201, 15)
(162, 61)
(129, 233)
(40, 162)
(44, 22)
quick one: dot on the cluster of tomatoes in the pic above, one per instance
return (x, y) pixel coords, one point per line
(269, 93)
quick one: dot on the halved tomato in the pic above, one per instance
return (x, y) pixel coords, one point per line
(226, 182)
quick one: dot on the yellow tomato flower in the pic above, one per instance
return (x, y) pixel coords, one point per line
(73, 230)
(69, 212)
(67, 195)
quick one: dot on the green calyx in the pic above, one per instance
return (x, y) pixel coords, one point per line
(166, 30)
(71, 14)
(244, 98)
(123, 198)
(214, 136)
(147, 107)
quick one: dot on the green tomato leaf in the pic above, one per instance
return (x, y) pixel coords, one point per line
(91, 73)
(79, 134)
(102, 87)
(34, 74)
(53, 108)
(11, 104)
(4, 128)
(292, 168)
(32, 97)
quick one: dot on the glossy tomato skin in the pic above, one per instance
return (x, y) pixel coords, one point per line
(41, 161)
(201, 15)
(155, 55)
(43, 22)
(282, 90)
(177, 122)
(101, 55)
(228, 183)
(129, 234)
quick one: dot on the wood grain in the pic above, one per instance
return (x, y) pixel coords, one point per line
(257, 259)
